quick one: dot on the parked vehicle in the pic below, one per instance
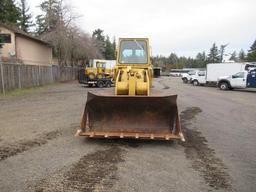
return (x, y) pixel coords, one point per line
(187, 77)
(216, 70)
(99, 73)
(240, 80)
(177, 72)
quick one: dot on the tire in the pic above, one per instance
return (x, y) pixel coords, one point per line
(100, 84)
(185, 80)
(100, 76)
(108, 84)
(91, 76)
(195, 83)
(224, 86)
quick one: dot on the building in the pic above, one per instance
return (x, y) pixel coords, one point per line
(24, 48)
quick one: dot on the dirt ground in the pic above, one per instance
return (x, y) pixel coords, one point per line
(38, 150)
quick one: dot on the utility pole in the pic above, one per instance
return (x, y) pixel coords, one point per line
(222, 50)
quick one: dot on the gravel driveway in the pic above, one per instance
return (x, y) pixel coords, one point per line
(38, 150)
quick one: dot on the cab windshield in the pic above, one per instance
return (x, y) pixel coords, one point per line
(100, 64)
(191, 72)
(133, 52)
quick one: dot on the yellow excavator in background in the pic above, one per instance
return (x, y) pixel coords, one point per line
(132, 109)
(100, 71)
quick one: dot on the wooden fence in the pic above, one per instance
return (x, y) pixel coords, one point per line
(14, 76)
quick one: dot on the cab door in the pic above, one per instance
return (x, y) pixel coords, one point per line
(238, 80)
(201, 77)
(251, 79)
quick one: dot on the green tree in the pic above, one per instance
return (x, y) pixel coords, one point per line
(26, 17)
(109, 50)
(40, 25)
(106, 47)
(173, 58)
(233, 57)
(98, 35)
(251, 56)
(9, 12)
(99, 38)
(51, 16)
(114, 47)
(213, 56)
(200, 60)
(242, 56)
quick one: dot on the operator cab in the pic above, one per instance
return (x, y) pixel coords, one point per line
(133, 52)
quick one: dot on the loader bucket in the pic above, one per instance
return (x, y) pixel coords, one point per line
(141, 117)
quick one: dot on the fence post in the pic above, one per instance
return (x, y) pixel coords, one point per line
(39, 75)
(52, 80)
(19, 76)
(2, 72)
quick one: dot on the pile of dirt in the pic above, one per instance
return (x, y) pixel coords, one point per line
(203, 158)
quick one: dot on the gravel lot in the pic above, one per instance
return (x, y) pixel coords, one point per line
(38, 150)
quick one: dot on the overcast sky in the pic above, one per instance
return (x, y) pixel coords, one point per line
(185, 27)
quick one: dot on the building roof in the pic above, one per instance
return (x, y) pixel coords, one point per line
(24, 34)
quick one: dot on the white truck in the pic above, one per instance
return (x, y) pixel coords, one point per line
(186, 77)
(240, 80)
(216, 70)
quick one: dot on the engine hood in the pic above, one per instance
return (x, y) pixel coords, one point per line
(224, 77)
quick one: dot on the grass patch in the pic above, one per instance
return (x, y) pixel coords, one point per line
(24, 91)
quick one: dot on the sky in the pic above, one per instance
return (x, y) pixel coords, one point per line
(185, 27)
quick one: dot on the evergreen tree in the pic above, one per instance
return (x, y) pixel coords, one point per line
(241, 55)
(51, 16)
(213, 56)
(9, 12)
(200, 59)
(233, 57)
(26, 17)
(109, 50)
(251, 56)
(40, 25)
(114, 47)
(98, 35)
(173, 59)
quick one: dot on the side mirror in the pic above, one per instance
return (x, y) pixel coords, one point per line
(234, 76)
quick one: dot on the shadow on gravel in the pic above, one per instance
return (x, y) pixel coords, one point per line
(13, 149)
(203, 158)
(251, 90)
(93, 172)
(164, 85)
(128, 142)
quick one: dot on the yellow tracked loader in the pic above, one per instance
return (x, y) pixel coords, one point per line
(132, 109)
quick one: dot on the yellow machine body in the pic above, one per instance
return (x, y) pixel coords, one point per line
(132, 109)
(99, 71)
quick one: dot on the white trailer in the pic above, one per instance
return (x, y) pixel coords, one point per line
(215, 70)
